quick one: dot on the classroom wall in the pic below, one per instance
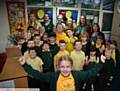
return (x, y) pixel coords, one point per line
(4, 26)
(116, 25)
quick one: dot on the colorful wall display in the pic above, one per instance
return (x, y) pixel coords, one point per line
(69, 14)
(40, 12)
(16, 17)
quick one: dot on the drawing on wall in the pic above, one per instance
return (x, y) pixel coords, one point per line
(16, 17)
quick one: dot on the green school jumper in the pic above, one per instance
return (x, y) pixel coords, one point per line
(52, 77)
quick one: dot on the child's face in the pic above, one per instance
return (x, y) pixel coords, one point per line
(45, 47)
(83, 38)
(59, 28)
(45, 37)
(52, 39)
(108, 54)
(69, 22)
(46, 17)
(99, 41)
(62, 46)
(112, 46)
(32, 54)
(30, 44)
(78, 46)
(92, 53)
(28, 35)
(37, 39)
(30, 30)
(32, 17)
(65, 68)
(69, 33)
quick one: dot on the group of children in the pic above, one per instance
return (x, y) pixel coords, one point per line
(70, 56)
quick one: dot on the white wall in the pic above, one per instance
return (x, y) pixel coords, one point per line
(4, 26)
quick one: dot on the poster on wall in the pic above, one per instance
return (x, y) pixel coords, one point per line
(40, 13)
(16, 17)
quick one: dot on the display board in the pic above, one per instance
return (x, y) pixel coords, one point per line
(40, 12)
(16, 16)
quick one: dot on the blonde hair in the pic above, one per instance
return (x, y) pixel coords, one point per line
(65, 58)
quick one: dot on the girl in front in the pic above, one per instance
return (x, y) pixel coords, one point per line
(65, 79)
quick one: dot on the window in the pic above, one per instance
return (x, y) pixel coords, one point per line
(35, 2)
(107, 22)
(65, 3)
(38, 2)
(92, 16)
(108, 5)
(93, 4)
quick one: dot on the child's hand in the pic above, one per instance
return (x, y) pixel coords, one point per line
(103, 58)
(21, 60)
(72, 40)
(92, 43)
(111, 78)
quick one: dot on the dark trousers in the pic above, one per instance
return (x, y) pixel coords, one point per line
(35, 83)
(104, 81)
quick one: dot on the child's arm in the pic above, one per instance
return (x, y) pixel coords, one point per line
(45, 77)
(41, 68)
(101, 49)
(83, 75)
(56, 62)
(55, 65)
(41, 65)
(86, 60)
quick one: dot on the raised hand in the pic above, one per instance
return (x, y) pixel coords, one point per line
(22, 60)
(103, 58)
